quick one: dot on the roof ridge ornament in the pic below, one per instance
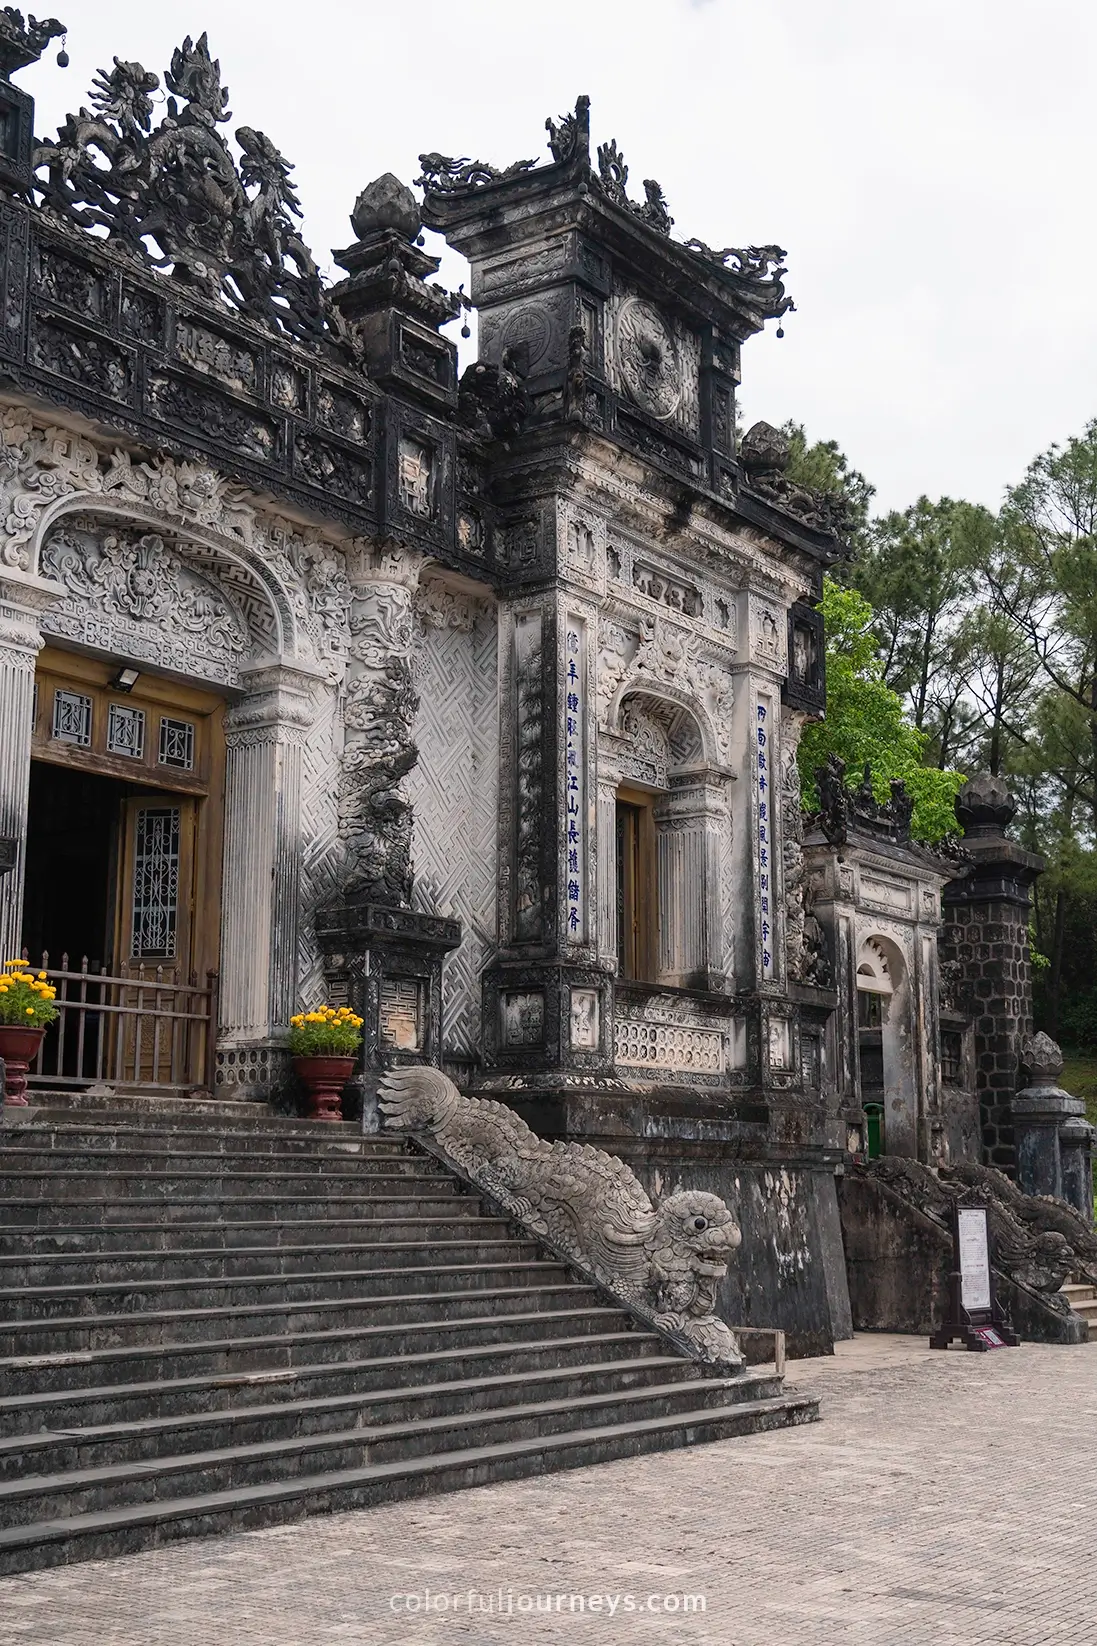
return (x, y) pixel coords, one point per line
(23, 42)
(176, 197)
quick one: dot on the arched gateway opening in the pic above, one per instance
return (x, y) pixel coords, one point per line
(156, 721)
(670, 828)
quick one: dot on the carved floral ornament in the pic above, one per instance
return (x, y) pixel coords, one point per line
(49, 474)
(665, 662)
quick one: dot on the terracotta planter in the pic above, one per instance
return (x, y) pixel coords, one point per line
(323, 1079)
(18, 1048)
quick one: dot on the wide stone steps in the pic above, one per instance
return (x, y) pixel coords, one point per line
(101, 1301)
(1082, 1299)
(84, 1487)
(99, 1403)
(50, 1442)
(80, 1271)
(209, 1323)
(179, 1239)
(170, 1356)
(96, 1534)
(41, 1213)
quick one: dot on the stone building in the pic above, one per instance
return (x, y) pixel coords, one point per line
(475, 703)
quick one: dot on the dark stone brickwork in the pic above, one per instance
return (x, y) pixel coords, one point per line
(989, 940)
(986, 934)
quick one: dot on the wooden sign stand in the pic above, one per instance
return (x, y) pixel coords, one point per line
(975, 1316)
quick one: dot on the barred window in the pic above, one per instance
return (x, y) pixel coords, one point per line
(72, 718)
(126, 731)
(177, 744)
(952, 1057)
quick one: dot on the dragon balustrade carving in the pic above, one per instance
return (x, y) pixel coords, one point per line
(665, 1259)
(1038, 1241)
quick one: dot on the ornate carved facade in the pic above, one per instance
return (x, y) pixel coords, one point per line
(502, 680)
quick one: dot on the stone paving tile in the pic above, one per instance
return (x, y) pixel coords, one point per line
(945, 1499)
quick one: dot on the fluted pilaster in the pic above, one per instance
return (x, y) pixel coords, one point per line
(264, 734)
(23, 598)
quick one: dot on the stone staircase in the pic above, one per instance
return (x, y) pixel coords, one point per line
(214, 1319)
(1083, 1300)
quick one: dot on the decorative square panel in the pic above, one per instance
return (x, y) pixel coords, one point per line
(584, 1020)
(401, 1014)
(126, 731)
(522, 1018)
(415, 467)
(177, 744)
(72, 718)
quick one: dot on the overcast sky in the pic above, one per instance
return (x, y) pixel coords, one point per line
(928, 164)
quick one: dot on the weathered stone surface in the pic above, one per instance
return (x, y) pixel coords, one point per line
(667, 1256)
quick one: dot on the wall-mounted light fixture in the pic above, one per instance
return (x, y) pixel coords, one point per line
(124, 680)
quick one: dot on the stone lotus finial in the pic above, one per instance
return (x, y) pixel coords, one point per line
(1042, 1060)
(984, 805)
(386, 203)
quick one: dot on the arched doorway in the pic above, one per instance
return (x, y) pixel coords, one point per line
(670, 833)
(883, 1060)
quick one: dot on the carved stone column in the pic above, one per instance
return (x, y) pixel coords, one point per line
(375, 816)
(264, 734)
(690, 823)
(609, 781)
(381, 956)
(23, 598)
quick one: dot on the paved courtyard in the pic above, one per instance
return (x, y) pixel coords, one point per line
(944, 1498)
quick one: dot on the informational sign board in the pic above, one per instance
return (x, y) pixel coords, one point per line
(974, 1258)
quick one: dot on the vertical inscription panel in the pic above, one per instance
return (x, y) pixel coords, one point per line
(528, 778)
(575, 811)
(764, 769)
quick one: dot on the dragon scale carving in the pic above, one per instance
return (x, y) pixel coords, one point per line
(665, 1259)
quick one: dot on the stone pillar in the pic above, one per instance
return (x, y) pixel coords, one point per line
(608, 784)
(375, 816)
(1051, 1135)
(986, 933)
(23, 598)
(1076, 1155)
(380, 956)
(264, 734)
(690, 823)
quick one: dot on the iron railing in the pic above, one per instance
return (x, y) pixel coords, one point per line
(139, 1027)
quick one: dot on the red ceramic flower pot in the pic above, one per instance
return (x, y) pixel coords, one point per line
(18, 1048)
(323, 1079)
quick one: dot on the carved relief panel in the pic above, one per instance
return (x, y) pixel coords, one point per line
(655, 362)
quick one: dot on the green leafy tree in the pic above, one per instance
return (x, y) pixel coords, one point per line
(920, 573)
(1051, 519)
(866, 723)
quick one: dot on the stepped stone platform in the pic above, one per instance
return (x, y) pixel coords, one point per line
(214, 1319)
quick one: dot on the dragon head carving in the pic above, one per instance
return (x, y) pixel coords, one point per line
(692, 1237)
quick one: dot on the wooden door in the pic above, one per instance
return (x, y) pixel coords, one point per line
(155, 926)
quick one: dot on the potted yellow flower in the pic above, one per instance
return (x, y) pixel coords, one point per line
(26, 1012)
(324, 1045)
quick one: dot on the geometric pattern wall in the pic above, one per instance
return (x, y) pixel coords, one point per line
(453, 789)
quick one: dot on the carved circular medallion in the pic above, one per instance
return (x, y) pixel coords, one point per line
(648, 358)
(530, 329)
